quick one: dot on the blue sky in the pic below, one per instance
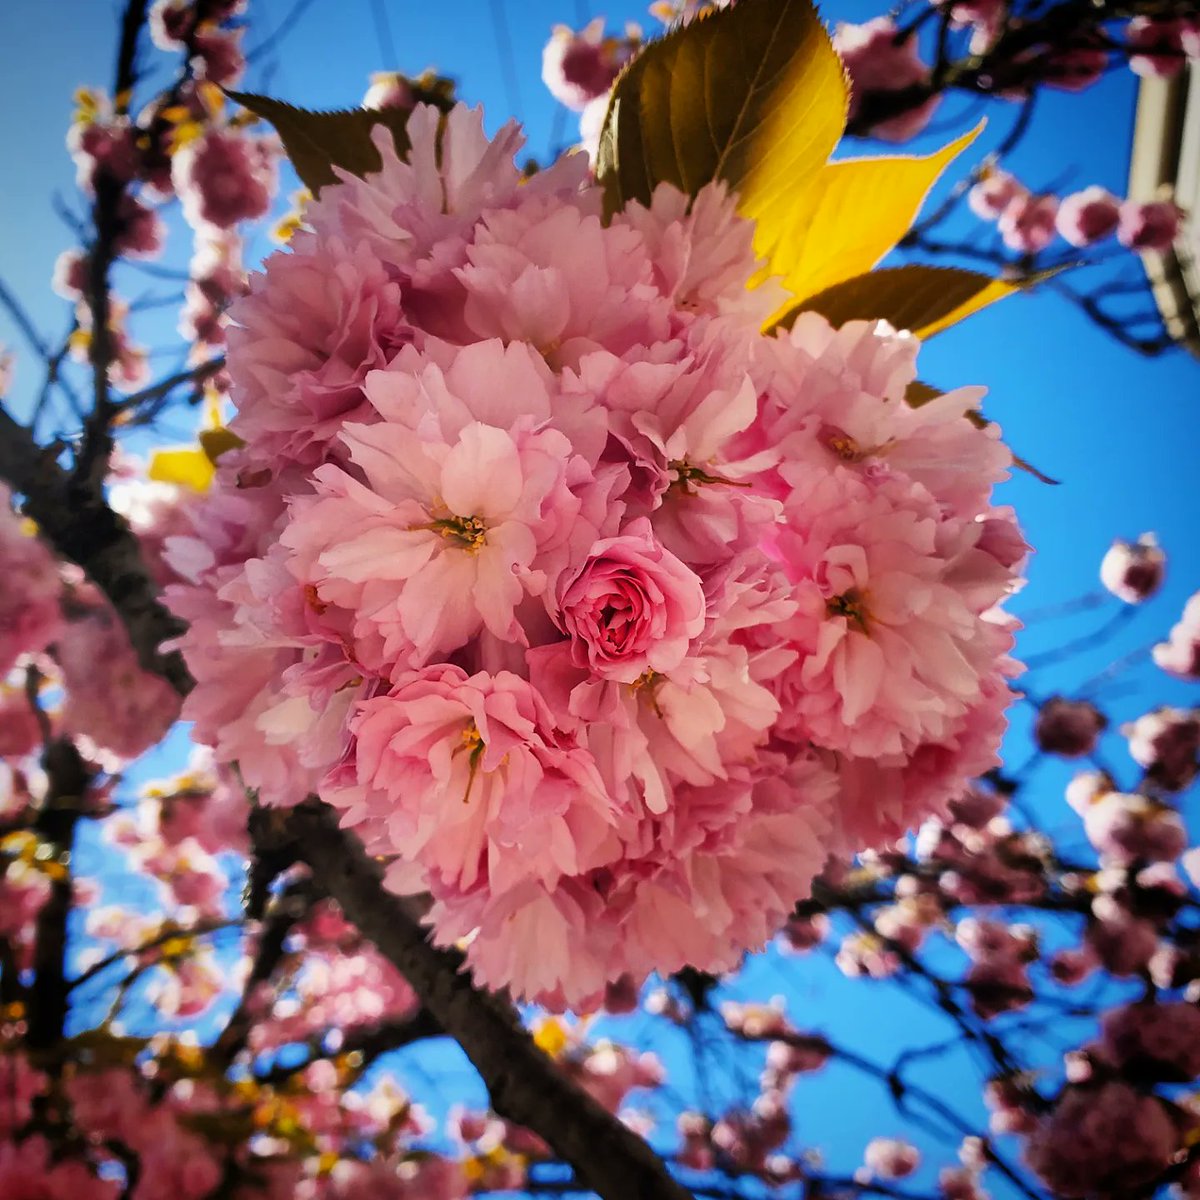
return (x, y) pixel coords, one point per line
(1117, 430)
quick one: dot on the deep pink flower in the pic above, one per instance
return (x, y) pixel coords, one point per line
(994, 193)
(877, 59)
(1149, 225)
(1027, 224)
(1108, 1140)
(580, 67)
(1068, 727)
(1088, 216)
(631, 608)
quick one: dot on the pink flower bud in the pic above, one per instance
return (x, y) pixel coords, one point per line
(891, 1158)
(1166, 742)
(1027, 224)
(1150, 225)
(1133, 571)
(70, 274)
(1179, 655)
(1068, 727)
(877, 60)
(1159, 46)
(1087, 216)
(993, 194)
(579, 67)
(388, 89)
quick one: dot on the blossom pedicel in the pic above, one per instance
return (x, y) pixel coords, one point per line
(603, 616)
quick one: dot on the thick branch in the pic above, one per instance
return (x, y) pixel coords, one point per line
(78, 523)
(67, 780)
(525, 1085)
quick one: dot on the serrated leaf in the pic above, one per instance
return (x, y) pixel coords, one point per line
(918, 393)
(916, 297)
(856, 210)
(316, 142)
(753, 94)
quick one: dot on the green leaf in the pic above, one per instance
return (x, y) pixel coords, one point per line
(923, 299)
(753, 94)
(316, 142)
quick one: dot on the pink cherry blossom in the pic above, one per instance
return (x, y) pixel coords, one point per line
(1027, 223)
(632, 607)
(1133, 571)
(879, 59)
(1149, 225)
(1087, 216)
(1108, 1140)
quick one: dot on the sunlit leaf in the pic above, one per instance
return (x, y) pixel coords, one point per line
(855, 211)
(316, 142)
(753, 94)
(920, 298)
(185, 466)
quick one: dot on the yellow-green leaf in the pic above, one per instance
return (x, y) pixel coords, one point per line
(855, 212)
(920, 298)
(217, 441)
(316, 142)
(753, 94)
(185, 466)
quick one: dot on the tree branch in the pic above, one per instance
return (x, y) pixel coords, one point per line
(524, 1084)
(77, 522)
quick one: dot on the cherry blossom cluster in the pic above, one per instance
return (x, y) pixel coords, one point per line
(885, 62)
(155, 1104)
(589, 607)
(1028, 222)
(61, 628)
(185, 144)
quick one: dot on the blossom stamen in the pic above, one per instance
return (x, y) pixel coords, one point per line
(473, 744)
(850, 605)
(688, 476)
(468, 532)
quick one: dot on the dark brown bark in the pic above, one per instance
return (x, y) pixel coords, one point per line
(525, 1085)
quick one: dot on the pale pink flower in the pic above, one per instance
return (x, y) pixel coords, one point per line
(1088, 216)
(878, 59)
(1166, 742)
(579, 67)
(891, 1158)
(388, 89)
(1179, 655)
(890, 649)
(460, 515)
(1027, 224)
(993, 194)
(1133, 571)
(110, 699)
(30, 617)
(303, 342)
